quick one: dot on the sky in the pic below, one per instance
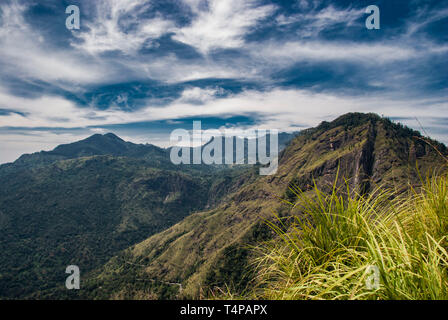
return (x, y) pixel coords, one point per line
(143, 68)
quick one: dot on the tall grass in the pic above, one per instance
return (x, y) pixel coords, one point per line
(347, 246)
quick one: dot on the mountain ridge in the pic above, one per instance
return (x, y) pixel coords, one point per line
(111, 144)
(136, 228)
(60, 204)
(209, 248)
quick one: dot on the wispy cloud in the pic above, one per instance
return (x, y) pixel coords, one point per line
(25, 52)
(281, 64)
(329, 51)
(222, 24)
(119, 26)
(314, 20)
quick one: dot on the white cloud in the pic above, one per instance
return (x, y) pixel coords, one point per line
(218, 24)
(28, 55)
(423, 18)
(171, 69)
(283, 109)
(198, 95)
(314, 21)
(222, 24)
(296, 51)
(277, 109)
(119, 25)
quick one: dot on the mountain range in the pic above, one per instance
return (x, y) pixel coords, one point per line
(140, 227)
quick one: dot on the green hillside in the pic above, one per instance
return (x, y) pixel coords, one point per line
(387, 245)
(84, 202)
(140, 227)
(212, 248)
(83, 211)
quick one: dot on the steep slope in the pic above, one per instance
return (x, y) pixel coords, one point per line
(210, 248)
(83, 211)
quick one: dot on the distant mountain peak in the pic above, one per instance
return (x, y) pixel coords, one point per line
(112, 136)
(107, 136)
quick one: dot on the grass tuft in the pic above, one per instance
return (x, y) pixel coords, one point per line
(344, 245)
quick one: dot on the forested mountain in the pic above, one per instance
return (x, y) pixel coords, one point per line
(140, 227)
(211, 248)
(83, 202)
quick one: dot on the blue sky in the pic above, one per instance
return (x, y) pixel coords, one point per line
(144, 68)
